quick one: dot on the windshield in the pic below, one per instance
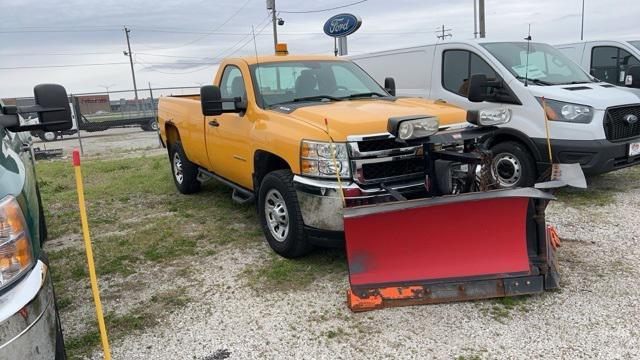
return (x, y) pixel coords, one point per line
(635, 43)
(546, 64)
(291, 81)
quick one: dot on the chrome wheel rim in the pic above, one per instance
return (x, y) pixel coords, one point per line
(177, 168)
(276, 214)
(507, 169)
(154, 125)
(49, 136)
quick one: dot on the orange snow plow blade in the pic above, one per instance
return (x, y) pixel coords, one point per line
(449, 248)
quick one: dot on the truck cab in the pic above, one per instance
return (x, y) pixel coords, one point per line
(295, 134)
(29, 323)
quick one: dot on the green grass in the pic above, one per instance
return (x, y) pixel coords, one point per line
(501, 308)
(292, 274)
(138, 223)
(601, 189)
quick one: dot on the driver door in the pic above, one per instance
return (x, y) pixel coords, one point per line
(227, 135)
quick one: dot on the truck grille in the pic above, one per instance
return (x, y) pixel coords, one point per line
(392, 169)
(616, 124)
(379, 158)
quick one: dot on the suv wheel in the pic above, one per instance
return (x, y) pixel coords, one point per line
(185, 173)
(280, 215)
(512, 165)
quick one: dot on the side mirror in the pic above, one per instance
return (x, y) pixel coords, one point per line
(477, 88)
(210, 100)
(390, 86)
(633, 77)
(52, 106)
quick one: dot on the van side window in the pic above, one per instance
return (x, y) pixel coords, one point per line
(457, 68)
(610, 63)
(232, 84)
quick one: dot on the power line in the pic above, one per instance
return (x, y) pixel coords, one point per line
(321, 10)
(59, 66)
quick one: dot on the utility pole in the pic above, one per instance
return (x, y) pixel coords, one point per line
(582, 25)
(107, 87)
(481, 18)
(475, 19)
(128, 53)
(271, 5)
(442, 33)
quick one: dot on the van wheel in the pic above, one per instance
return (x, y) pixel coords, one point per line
(185, 173)
(280, 215)
(512, 165)
(48, 136)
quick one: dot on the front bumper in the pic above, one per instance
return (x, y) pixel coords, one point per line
(321, 204)
(595, 156)
(28, 318)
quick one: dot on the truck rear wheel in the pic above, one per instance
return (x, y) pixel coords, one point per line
(512, 165)
(280, 215)
(185, 173)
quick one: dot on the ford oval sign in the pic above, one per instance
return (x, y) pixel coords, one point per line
(342, 25)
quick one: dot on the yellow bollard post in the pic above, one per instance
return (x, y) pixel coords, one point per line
(89, 249)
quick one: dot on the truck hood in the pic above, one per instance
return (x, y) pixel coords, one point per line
(598, 95)
(362, 117)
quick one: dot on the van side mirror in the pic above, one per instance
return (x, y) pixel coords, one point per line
(51, 105)
(390, 86)
(477, 88)
(633, 77)
(210, 100)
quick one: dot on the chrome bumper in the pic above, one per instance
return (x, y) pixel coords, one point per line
(321, 204)
(28, 318)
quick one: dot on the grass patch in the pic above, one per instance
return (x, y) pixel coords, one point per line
(601, 189)
(501, 308)
(291, 274)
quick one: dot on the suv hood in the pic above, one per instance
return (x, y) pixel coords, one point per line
(598, 95)
(362, 117)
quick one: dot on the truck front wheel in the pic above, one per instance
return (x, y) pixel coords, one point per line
(185, 173)
(512, 165)
(280, 215)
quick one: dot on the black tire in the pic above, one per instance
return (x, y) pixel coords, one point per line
(152, 125)
(187, 183)
(513, 164)
(292, 243)
(61, 354)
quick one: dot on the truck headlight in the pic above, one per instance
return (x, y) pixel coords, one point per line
(15, 244)
(317, 159)
(564, 111)
(412, 127)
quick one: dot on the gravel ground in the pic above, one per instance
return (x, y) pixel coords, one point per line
(595, 315)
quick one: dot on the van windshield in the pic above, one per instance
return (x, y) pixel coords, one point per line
(546, 65)
(312, 80)
(635, 43)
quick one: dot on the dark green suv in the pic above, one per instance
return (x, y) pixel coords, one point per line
(29, 323)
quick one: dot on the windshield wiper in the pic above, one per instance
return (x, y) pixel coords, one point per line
(576, 82)
(535, 81)
(366, 94)
(316, 98)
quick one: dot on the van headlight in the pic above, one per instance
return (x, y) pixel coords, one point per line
(15, 244)
(412, 127)
(317, 159)
(564, 111)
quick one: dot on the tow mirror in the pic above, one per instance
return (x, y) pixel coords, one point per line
(477, 88)
(211, 100)
(51, 105)
(633, 77)
(390, 86)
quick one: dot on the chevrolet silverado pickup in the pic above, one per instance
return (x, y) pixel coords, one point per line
(29, 324)
(291, 132)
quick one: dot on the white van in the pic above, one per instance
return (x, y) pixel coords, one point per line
(607, 60)
(592, 123)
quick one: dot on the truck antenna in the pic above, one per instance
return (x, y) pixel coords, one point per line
(526, 69)
(255, 48)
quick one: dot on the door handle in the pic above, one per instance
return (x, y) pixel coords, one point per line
(214, 123)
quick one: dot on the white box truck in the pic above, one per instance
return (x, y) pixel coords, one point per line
(607, 60)
(592, 123)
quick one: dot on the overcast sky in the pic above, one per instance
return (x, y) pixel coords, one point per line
(175, 42)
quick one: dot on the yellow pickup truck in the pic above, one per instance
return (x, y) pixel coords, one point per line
(265, 128)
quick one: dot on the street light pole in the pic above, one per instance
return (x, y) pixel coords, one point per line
(582, 25)
(481, 18)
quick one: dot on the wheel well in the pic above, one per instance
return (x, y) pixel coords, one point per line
(265, 162)
(523, 140)
(172, 134)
